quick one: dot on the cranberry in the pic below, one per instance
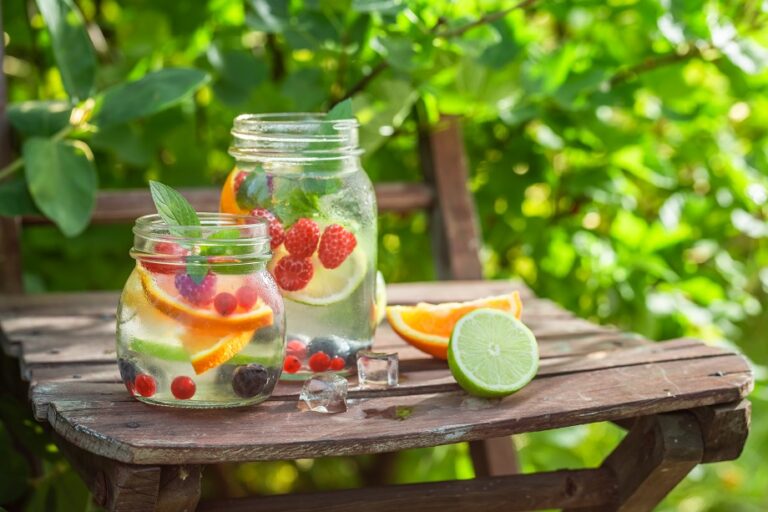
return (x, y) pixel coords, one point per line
(319, 362)
(291, 364)
(183, 387)
(145, 385)
(337, 363)
(247, 297)
(296, 348)
(225, 303)
(173, 265)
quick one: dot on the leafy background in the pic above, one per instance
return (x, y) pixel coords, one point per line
(618, 150)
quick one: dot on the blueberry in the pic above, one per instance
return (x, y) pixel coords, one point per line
(248, 381)
(354, 348)
(333, 346)
(127, 370)
(267, 333)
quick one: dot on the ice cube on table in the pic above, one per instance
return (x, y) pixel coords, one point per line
(325, 393)
(377, 369)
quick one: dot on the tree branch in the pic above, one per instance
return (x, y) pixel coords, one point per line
(485, 20)
(652, 63)
(364, 81)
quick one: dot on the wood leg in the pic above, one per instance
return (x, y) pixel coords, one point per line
(494, 457)
(121, 487)
(724, 429)
(656, 454)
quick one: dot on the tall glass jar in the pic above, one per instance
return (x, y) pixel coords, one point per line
(200, 321)
(302, 173)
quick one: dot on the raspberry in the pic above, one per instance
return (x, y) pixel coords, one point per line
(276, 231)
(291, 364)
(183, 387)
(198, 294)
(301, 240)
(296, 348)
(239, 179)
(247, 297)
(145, 385)
(336, 245)
(172, 267)
(293, 273)
(337, 363)
(319, 362)
(225, 303)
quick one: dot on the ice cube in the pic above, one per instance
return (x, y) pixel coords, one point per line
(325, 392)
(377, 369)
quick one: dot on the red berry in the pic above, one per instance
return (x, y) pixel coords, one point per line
(319, 362)
(293, 273)
(337, 363)
(239, 179)
(335, 245)
(173, 265)
(247, 297)
(198, 294)
(276, 231)
(183, 387)
(225, 303)
(296, 348)
(301, 240)
(145, 385)
(291, 364)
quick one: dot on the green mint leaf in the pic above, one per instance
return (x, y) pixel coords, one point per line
(223, 248)
(197, 268)
(175, 210)
(254, 191)
(342, 110)
(291, 203)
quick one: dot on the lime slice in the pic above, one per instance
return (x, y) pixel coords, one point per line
(328, 286)
(491, 353)
(178, 354)
(380, 300)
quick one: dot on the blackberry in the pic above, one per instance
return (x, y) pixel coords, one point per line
(250, 380)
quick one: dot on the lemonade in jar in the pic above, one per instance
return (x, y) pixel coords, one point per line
(302, 174)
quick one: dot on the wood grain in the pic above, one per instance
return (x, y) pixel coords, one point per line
(138, 433)
(586, 487)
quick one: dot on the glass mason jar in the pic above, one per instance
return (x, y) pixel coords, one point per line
(302, 173)
(200, 321)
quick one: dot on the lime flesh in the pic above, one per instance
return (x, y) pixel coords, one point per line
(492, 354)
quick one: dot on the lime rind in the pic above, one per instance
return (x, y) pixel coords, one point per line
(176, 353)
(492, 354)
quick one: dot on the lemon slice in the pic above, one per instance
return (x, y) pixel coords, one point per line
(328, 286)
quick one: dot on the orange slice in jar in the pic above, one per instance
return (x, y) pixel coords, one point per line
(228, 199)
(160, 292)
(207, 352)
(428, 326)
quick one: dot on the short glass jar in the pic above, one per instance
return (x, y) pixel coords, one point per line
(200, 321)
(302, 173)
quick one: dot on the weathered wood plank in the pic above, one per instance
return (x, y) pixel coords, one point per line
(106, 424)
(586, 487)
(115, 206)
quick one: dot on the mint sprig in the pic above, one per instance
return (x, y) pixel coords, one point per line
(342, 110)
(175, 210)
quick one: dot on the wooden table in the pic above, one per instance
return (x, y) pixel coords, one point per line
(681, 400)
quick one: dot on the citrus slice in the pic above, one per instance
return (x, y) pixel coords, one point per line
(157, 288)
(428, 326)
(228, 199)
(492, 353)
(205, 355)
(327, 286)
(380, 301)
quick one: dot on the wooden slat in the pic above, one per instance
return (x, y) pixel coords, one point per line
(129, 431)
(586, 487)
(113, 206)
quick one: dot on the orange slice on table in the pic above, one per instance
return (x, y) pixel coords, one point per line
(207, 352)
(428, 326)
(203, 319)
(228, 199)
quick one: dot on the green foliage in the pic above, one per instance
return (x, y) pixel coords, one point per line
(618, 156)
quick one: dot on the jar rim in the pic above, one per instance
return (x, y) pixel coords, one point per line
(292, 119)
(211, 222)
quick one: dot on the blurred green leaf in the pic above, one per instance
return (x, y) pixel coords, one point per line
(13, 485)
(152, 93)
(39, 118)
(268, 15)
(71, 46)
(15, 198)
(378, 6)
(62, 181)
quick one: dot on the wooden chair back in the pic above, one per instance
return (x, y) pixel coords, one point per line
(443, 194)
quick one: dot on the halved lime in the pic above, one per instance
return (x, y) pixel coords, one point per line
(328, 286)
(491, 353)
